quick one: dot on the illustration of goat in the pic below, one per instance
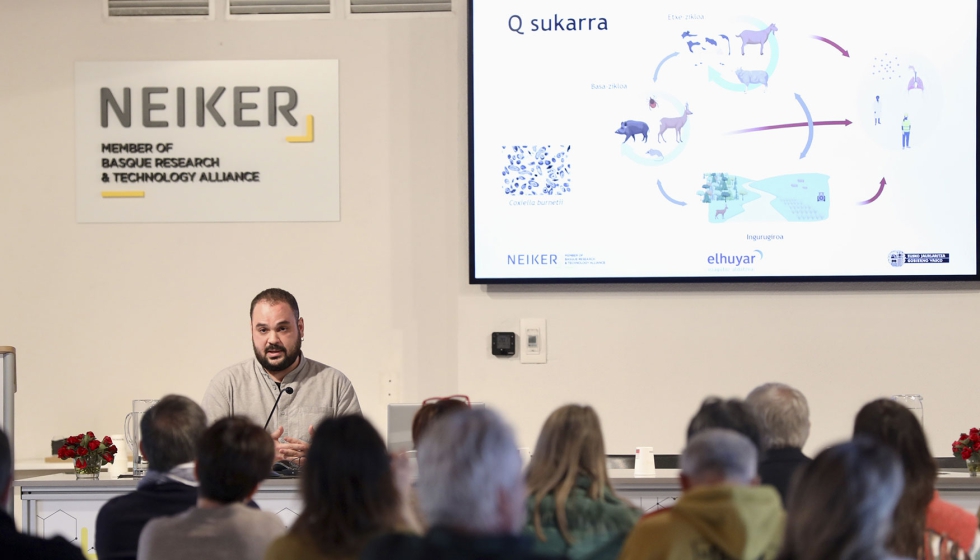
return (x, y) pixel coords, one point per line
(677, 123)
(752, 37)
(721, 212)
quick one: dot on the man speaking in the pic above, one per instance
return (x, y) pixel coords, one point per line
(306, 391)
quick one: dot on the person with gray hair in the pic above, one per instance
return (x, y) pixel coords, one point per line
(784, 416)
(471, 492)
(169, 432)
(843, 502)
(722, 513)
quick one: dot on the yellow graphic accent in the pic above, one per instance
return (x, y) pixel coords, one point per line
(84, 545)
(123, 194)
(309, 133)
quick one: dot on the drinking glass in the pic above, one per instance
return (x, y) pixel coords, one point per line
(131, 427)
(913, 403)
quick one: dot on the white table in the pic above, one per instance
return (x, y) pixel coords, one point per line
(57, 504)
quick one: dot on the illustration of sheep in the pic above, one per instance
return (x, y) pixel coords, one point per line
(753, 77)
(752, 37)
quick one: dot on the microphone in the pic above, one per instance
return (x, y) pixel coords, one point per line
(287, 390)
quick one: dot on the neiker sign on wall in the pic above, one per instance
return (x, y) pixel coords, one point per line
(207, 141)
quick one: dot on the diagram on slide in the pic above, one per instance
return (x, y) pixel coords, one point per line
(791, 198)
(740, 62)
(650, 138)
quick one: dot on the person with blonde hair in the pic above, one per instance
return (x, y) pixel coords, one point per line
(572, 510)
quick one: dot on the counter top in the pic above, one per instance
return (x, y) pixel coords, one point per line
(620, 478)
(62, 482)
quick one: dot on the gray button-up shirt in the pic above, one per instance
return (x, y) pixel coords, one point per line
(246, 389)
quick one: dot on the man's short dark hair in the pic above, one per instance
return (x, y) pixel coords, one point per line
(6, 464)
(275, 295)
(731, 414)
(169, 431)
(233, 457)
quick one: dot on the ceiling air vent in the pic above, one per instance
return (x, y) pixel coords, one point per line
(253, 7)
(399, 6)
(150, 8)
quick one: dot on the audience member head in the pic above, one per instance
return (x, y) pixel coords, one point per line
(731, 414)
(470, 475)
(894, 425)
(842, 503)
(6, 467)
(233, 456)
(169, 432)
(430, 411)
(569, 445)
(782, 413)
(719, 456)
(348, 487)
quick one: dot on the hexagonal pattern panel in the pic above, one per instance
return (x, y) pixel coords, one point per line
(288, 516)
(59, 524)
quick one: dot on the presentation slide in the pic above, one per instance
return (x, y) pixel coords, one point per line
(630, 139)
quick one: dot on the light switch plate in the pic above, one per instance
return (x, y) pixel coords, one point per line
(534, 341)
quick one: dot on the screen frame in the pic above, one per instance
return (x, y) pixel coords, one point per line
(850, 279)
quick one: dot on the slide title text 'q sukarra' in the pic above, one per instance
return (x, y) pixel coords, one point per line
(518, 25)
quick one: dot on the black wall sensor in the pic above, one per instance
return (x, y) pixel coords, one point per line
(503, 343)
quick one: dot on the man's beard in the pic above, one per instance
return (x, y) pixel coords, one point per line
(290, 356)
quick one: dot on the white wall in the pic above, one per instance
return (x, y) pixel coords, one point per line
(102, 314)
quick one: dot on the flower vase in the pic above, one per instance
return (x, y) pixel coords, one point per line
(93, 466)
(973, 464)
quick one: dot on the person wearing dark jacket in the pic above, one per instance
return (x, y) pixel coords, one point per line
(471, 493)
(169, 433)
(14, 544)
(784, 418)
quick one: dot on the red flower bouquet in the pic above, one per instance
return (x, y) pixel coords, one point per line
(968, 448)
(89, 453)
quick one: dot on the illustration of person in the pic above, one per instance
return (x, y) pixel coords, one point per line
(906, 131)
(877, 110)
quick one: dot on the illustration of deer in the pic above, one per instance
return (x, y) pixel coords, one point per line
(677, 123)
(721, 212)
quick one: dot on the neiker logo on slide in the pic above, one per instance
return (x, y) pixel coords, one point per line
(537, 259)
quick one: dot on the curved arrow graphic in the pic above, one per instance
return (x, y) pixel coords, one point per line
(809, 124)
(832, 44)
(845, 122)
(715, 76)
(666, 58)
(663, 192)
(881, 189)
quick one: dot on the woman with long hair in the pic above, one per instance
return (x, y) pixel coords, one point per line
(351, 493)
(925, 526)
(841, 504)
(572, 510)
